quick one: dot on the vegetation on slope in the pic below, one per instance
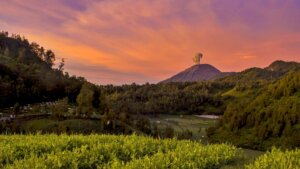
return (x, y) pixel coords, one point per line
(277, 159)
(273, 72)
(171, 98)
(27, 74)
(265, 118)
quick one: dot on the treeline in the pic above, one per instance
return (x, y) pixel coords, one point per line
(273, 72)
(127, 108)
(188, 97)
(151, 99)
(254, 78)
(266, 118)
(171, 98)
(27, 74)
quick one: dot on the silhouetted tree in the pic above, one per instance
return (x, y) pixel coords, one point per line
(61, 65)
(49, 58)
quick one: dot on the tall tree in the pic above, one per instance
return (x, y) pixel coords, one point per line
(85, 100)
(61, 65)
(49, 58)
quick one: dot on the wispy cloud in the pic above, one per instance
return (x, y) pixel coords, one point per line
(152, 39)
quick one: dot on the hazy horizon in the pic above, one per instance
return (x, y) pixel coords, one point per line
(126, 41)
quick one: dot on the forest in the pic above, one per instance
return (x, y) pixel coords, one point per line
(267, 116)
(27, 74)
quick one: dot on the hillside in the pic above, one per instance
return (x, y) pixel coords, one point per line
(273, 72)
(265, 117)
(250, 80)
(27, 74)
(283, 67)
(198, 72)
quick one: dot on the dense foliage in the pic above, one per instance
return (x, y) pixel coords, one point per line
(266, 117)
(27, 74)
(171, 98)
(261, 75)
(277, 159)
(108, 151)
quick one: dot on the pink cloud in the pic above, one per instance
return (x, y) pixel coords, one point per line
(151, 40)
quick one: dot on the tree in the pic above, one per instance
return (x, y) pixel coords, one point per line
(169, 132)
(21, 54)
(4, 34)
(60, 108)
(6, 51)
(61, 65)
(85, 100)
(103, 106)
(16, 108)
(41, 52)
(35, 48)
(143, 124)
(49, 58)
(186, 134)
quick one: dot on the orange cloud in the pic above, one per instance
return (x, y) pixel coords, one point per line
(140, 41)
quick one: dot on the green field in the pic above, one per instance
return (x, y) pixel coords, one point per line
(109, 151)
(129, 152)
(198, 127)
(185, 122)
(180, 123)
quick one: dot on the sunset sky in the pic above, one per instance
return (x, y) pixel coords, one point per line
(125, 41)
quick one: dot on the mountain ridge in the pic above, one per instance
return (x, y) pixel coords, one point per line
(206, 72)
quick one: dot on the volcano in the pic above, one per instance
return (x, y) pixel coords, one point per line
(198, 72)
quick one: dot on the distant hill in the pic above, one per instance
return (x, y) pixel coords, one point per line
(204, 72)
(283, 67)
(274, 71)
(199, 72)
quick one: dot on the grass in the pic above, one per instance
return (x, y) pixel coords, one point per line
(233, 92)
(247, 157)
(110, 151)
(198, 126)
(180, 123)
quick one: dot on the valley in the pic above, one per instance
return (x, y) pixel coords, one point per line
(251, 116)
